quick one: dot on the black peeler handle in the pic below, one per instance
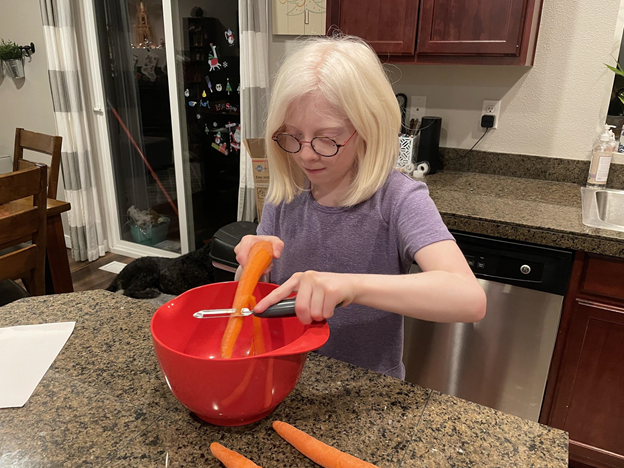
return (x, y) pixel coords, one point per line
(285, 308)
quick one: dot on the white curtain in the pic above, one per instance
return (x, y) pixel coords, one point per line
(85, 221)
(254, 58)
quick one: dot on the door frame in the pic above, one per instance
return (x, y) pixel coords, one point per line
(106, 183)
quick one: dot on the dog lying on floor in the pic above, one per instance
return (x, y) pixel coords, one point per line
(148, 277)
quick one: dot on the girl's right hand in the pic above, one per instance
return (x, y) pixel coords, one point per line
(243, 247)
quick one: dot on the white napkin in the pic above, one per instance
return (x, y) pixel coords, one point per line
(26, 354)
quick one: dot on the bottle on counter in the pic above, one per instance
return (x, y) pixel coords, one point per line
(602, 153)
(621, 142)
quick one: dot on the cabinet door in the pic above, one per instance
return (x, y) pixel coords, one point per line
(471, 27)
(589, 400)
(389, 26)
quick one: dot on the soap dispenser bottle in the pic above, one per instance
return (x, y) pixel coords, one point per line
(602, 153)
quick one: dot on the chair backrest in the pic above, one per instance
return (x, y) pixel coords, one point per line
(41, 143)
(21, 220)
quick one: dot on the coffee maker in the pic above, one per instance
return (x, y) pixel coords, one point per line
(429, 143)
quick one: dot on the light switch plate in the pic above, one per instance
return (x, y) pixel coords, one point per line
(418, 108)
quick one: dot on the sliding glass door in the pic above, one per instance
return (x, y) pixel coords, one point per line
(169, 113)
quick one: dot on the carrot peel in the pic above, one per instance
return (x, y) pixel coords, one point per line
(320, 453)
(230, 458)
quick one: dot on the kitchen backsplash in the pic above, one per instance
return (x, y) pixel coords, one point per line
(532, 167)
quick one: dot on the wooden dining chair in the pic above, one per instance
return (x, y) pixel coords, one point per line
(22, 220)
(41, 143)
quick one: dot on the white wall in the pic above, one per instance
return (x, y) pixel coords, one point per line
(27, 102)
(554, 108)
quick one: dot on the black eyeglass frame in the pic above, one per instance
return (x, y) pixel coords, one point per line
(311, 142)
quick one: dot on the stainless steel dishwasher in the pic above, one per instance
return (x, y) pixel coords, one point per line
(503, 361)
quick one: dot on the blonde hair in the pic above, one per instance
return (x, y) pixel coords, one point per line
(347, 73)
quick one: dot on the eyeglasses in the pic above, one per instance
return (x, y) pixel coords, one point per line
(321, 145)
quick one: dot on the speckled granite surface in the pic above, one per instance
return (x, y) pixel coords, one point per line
(537, 211)
(457, 433)
(573, 171)
(105, 403)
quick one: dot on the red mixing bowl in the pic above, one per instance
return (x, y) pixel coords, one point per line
(236, 391)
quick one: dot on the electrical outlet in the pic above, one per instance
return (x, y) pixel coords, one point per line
(418, 108)
(491, 108)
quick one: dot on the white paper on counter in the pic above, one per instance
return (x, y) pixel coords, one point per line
(26, 354)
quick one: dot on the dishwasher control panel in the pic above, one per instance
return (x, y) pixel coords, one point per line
(503, 267)
(521, 264)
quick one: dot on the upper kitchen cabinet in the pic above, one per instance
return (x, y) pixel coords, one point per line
(471, 27)
(389, 26)
(491, 32)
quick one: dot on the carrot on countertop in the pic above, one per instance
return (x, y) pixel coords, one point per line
(230, 458)
(260, 257)
(320, 453)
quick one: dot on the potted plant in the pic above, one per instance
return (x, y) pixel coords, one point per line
(12, 58)
(147, 226)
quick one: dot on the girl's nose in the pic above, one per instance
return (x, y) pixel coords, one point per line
(307, 152)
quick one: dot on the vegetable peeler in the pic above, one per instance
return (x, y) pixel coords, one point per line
(285, 308)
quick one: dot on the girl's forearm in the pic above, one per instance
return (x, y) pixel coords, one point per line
(436, 296)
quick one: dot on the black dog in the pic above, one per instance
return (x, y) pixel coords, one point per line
(148, 277)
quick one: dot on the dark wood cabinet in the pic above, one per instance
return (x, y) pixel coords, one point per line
(443, 31)
(389, 26)
(585, 392)
(460, 27)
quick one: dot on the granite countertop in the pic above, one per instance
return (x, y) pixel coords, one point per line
(539, 211)
(104, 402)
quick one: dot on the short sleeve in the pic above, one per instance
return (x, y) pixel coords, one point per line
(418, 221)
(267, 221)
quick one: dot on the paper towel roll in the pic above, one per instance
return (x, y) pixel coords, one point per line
(422, 169)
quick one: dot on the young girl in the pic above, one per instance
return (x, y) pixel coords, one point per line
(345, 226)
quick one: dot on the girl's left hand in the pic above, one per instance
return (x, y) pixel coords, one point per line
(317, 294)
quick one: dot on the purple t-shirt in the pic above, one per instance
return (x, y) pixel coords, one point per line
(378, 236)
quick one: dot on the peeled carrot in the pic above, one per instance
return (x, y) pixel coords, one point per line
(320, 453)
(260, 257)
(230, 458)
(252, 302)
